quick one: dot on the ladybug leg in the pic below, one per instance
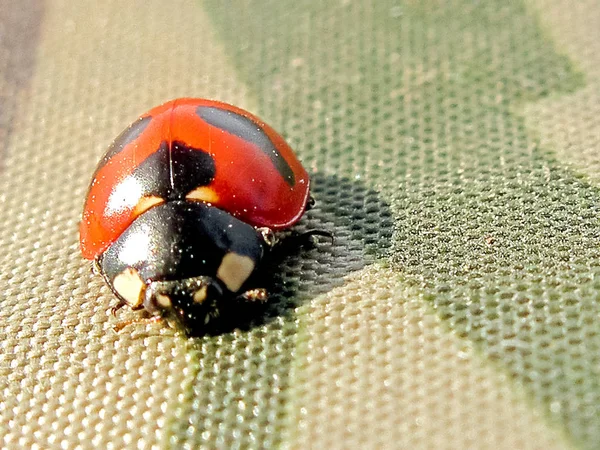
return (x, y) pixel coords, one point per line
(145, 320)
(308, 237)
(254, 295)
(310, 203)
(117, 307)
(121, 304)
(311, 233)
(96, 270)
(268, 236)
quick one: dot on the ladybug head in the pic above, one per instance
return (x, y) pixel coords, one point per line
(182, 260)
(190, 302)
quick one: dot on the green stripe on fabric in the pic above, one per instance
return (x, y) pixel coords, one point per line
(19, 33)
(422, 100)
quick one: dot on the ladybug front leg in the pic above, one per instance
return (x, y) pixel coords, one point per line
(295, 240)
(268, 236)
(119, 326)
(145, 320)
(123, 303)
(310, 204)
(117, 307)
(308, 236)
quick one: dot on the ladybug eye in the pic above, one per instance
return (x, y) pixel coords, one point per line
(200, 294)
(164, 301)
(155, 299)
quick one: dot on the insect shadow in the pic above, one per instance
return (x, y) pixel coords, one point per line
(300, 269)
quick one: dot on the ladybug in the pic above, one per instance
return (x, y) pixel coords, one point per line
(184, 205)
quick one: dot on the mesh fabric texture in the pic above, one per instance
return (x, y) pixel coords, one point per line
(454, 148)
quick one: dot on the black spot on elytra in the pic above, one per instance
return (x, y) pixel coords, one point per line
(173, 174)
(127, 136)
(246, 129)
(130, 134)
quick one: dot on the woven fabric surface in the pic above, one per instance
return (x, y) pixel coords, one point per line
(454, 148)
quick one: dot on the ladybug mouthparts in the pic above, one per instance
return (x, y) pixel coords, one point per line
(180, 295)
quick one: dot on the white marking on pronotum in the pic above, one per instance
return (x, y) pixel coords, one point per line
(235, 270)
(130, 286)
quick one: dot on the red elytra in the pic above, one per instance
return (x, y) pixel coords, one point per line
(257, 178)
